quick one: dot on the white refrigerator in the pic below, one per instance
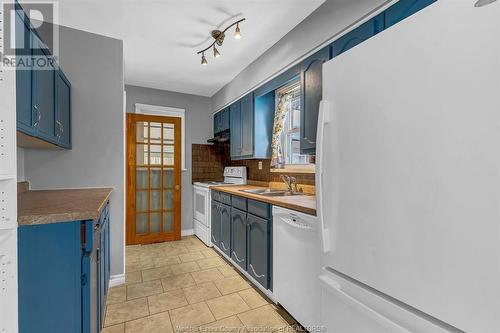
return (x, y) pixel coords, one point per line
(408, 176)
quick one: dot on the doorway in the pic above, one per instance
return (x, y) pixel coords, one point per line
(153, 179)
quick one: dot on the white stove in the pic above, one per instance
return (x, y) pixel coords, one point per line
(202, 199)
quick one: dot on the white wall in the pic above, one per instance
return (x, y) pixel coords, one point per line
(198, 130)
(20, 164)
(94, 65)
(329, 20)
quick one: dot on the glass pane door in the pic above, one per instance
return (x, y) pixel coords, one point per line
(153, 200)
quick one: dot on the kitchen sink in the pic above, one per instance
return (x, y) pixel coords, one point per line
(270, 192)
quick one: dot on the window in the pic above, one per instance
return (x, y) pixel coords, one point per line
(289, 138)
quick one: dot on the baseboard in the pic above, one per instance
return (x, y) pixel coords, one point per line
(116, 280)
(187, 232)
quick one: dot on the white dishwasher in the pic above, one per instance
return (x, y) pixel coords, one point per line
(297, 265)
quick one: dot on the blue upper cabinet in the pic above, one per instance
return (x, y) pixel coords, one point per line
(251, 126)
(23, 77)
(235, 118)
(63, 109)
(247, 126)
(311, 78)
(43, 94)
(404, 8)
(358, 35)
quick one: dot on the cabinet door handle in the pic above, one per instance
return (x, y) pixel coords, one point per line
(38, 115)
(255, 273)
(238, 259)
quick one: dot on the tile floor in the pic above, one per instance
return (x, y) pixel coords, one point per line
(184, 286)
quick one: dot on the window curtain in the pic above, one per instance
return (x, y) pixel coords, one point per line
(284, 106)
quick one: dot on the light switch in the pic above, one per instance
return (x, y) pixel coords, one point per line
(260, 165)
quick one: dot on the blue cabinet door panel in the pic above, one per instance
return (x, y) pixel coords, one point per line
(50, 278)
(43, 93)
(404, 8)
(247, 126)
(239, 237)
(23, 75)
(215, 220)
(235, 120)
(312, 84)
(358, 35)
(264, 108)
(63, 109)
(225, 229)
(258, 254)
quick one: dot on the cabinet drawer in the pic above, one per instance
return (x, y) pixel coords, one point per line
(225, 198)
(260, 209)
(215, 195)
(240, 203)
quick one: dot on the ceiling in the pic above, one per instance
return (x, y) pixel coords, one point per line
(161, 37)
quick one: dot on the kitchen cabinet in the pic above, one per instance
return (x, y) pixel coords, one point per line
(358, 35)
(403, 9)
(24, 112)
(63, 275)
(248, 233)
(43, 95)
(239, 237)
(63, 109)
(258, 250)
(311, 80)
(221, 121)
(215, 221)
(251, 126)
(225, 229)
(236, 139)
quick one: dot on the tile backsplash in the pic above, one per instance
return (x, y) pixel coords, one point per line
(208, 162)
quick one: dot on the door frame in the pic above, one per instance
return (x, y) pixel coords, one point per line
(131, 237)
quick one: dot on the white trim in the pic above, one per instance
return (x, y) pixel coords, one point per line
(187, 232)
(116, 280)
(169, 112)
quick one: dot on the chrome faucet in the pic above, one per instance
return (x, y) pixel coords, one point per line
(290, 182)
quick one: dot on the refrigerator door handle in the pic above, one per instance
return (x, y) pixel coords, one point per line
(324, 118)
(385, 322)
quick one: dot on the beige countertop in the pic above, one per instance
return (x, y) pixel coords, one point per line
(52, 206)
(302, 203)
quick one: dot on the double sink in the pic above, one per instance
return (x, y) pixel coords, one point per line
(270, 192)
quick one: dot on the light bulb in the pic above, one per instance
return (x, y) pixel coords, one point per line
(203, 59)
(237, 32)
(216, 52)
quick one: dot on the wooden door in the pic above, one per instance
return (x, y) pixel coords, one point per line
(153, 179)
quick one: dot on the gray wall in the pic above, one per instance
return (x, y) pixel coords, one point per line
(94, 65)
(330, 19)
(198, 130)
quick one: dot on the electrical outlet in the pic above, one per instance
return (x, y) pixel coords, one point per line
(260, 165)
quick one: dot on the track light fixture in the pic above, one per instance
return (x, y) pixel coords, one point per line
(218, 37)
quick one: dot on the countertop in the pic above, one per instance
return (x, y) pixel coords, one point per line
(52, 206)
(302, 203)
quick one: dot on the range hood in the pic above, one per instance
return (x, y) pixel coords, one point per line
(220, 137)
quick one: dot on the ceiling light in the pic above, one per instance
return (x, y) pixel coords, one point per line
(237, 32)
(482, 3)
(218, 37)
(216, 52)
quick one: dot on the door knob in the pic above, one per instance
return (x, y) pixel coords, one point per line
(177, 187)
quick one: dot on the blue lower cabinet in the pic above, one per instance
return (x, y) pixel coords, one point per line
(403, 9)
(215, 220)
(62, 278)
(258, 249)
(225, 229)
(239, 237)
